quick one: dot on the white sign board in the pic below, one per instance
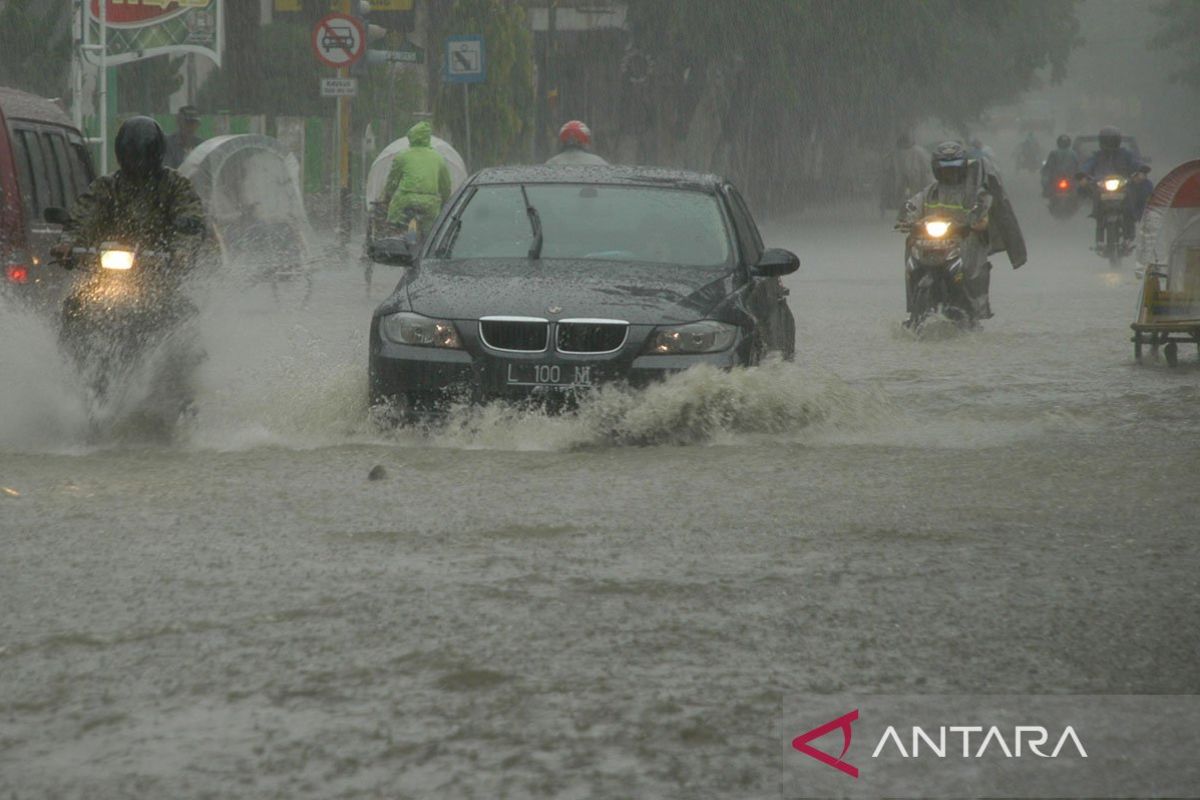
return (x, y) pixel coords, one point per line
(339, 87)
(464, 60)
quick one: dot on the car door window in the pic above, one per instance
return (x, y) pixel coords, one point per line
(746, 228)
(24, 173)
(57, 171)
(37, 165)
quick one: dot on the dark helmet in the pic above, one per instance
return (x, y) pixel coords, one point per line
(1110, 138)
(1064, 141)
(949, 163)
(141, 145)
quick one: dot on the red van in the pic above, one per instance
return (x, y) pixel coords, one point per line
(44, 163)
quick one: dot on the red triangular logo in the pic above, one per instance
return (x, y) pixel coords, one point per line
(844, 722)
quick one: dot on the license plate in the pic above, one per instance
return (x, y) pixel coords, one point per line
(559, 375)
(1112, 196)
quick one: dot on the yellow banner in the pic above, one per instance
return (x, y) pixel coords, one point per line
(391, 5)
(287, 5)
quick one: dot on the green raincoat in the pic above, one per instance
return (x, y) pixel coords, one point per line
(419, 179)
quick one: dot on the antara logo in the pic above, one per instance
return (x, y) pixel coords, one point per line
(1025, 740)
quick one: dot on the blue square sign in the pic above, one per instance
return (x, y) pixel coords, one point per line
(465, 61)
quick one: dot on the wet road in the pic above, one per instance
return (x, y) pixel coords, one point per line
(611, 605)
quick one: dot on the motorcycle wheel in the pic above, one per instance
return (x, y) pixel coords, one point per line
(1112, 244)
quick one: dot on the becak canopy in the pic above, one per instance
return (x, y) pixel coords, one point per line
(250, 187)
(1169, 248)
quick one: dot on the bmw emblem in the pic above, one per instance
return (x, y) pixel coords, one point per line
(555, 309)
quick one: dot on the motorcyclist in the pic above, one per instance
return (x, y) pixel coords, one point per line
(1062, 161)
(959, 191)
(575, 140)
(1113, 159)
(1028, 153)
(905, 171)
(144, 204)
(418, 184)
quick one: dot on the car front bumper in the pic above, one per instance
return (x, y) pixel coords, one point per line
(430, 379)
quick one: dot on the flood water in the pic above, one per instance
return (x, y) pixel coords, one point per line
(613, 604)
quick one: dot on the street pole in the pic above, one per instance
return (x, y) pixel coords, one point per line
(103, 87)
(467, 110)
(77, 65)
(343, 152)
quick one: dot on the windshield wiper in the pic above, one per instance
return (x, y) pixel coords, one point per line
(535, 221)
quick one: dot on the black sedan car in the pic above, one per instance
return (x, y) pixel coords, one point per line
(545, 281)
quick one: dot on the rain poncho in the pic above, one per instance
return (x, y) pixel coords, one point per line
(419, 179)
(905, 171)
(138, 213)
(576, 156)
(1062, 162)
(980, 196)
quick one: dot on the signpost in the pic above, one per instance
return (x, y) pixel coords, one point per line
(339, 41)
(465, 64)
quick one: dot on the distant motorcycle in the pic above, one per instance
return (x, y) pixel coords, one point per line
(935, 281)
(1110, 212)
(1062, 199)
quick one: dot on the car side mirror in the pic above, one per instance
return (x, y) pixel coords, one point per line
(56, 216)
(776, 262)
(395, 251)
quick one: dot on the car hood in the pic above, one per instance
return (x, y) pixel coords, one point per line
(555, 288)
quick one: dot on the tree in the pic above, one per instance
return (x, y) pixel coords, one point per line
(35, 45)
(1180, 31)
(745, 87)
(501, 108)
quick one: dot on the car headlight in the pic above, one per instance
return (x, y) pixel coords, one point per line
(707, 336)
(1112, 184)
(405, 327)
(937, 228)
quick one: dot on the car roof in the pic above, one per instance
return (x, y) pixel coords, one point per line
(599, 175)
(23, 105)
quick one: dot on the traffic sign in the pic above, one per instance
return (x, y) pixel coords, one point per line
(465, 60)
(339, 87)
(339, 40)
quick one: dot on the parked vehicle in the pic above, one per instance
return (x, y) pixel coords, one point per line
(44, 163)
(1169, 252)
(539, 284)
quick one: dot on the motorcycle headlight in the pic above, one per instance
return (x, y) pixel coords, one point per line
(407, 328)
(706, 336)
(937, 228)
(1112, 184)
(116, 259)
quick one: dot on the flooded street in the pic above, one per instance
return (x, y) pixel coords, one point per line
(612, 604)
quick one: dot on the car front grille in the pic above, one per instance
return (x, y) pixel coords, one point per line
(515, 334)
(591, 335)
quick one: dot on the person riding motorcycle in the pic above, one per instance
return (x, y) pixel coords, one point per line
(1062, 162)
(144, 205)
(418, 184)
(967, 191)
(575, 139)
(1113, 159)
(1028, 153)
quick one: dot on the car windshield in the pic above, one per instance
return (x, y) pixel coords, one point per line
(603, 223)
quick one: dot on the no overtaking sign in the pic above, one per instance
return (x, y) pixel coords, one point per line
(339, 40)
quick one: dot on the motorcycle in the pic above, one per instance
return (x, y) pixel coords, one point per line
(1110, 211)
(935, 281)
(1061, 198)
(123, 321)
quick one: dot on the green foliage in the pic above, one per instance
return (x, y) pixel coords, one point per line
(1180, 31)
(501, 108)
(35, 46)
(146, 86)
(818, 82)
